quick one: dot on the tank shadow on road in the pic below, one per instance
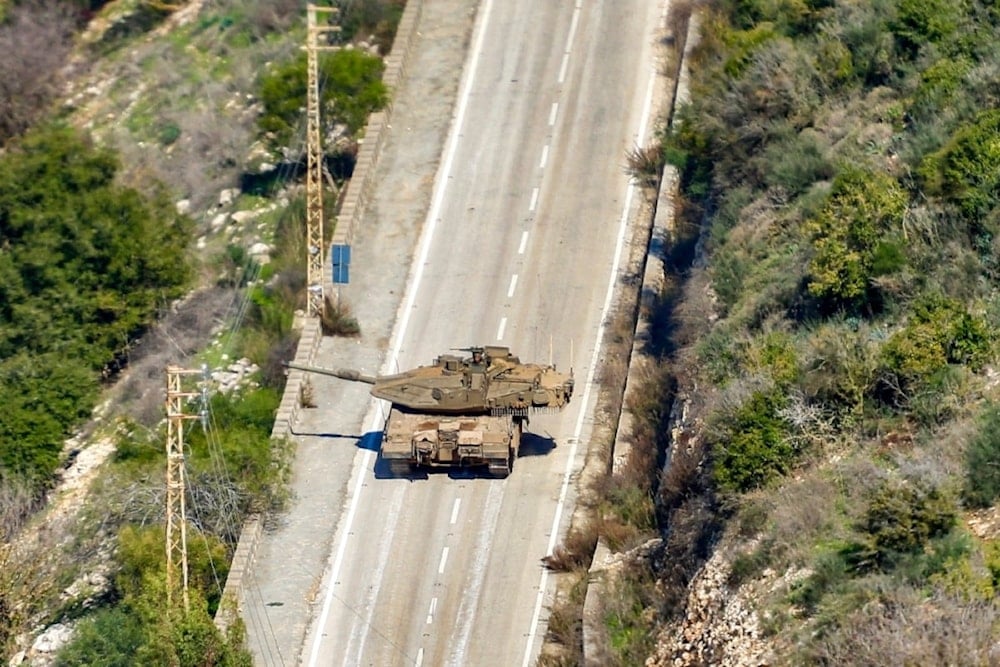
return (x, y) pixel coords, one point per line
(533, 444)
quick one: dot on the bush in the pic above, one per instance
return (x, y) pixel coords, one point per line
(795, 163)
(755, 448)
(905, 626)
(629, 624)
(901, 518)
(351, 88)
(982, 461)
(140, 630)
(920, 23)
(940, 332)
(36, 38)
(830, 574)
(110, 638)
(372, 17)
(966, 170)
(842, 364)
(862, 209)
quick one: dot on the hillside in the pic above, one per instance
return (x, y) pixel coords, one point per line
(151, 214)
(830, 481)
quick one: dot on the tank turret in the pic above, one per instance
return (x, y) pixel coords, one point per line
(490, 381)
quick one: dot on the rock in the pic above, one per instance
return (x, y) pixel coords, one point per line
(54, 638)
(218, 222)
(200, 243)
(242, 216)
(17, 659)
(228, 196)
(259, 249)
(183, 206)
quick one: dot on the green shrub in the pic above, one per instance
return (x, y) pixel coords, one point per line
(862, 209)
(901, 518)
(940, 332)
(141, 630)
(351, 89)
(629, 625)
(717, 355)
(920, 23)
(754, 448)
(862, 29)
(743, 44)
(774, 354)
(728, 270)
(110, 638)
(966, 170)
(830, 573)
(169, 133)
(982, 461)
(376, 17)
(795, 163)
(792, 16)
(939, 84)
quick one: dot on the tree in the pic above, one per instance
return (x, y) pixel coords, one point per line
(84, 265)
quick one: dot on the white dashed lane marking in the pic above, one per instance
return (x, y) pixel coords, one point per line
(444, 560)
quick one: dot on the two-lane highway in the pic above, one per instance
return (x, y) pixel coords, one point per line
(520, 247)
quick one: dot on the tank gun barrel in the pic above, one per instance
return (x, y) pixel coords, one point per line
(342, 373)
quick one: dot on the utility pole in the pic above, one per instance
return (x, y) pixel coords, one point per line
(176, 515)
(315, 301)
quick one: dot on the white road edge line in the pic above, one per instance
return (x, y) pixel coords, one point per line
(612, 279)
(444, 560)
(454, 510)
(524, 243)
(503, 325)
(563, 68)
(416, 270)
(513, 285)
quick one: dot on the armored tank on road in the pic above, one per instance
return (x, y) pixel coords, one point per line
(462, 410)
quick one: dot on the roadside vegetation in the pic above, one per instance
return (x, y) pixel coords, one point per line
(85, 265)
(838, 160)
(93, 258)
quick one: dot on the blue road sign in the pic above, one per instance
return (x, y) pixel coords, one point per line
(341, 255)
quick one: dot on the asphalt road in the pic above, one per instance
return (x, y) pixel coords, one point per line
(519, 246)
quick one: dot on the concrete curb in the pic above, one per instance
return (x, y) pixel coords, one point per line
(241, 568)
(352, 207)
(594, 633)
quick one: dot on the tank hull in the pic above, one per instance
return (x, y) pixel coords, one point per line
(446, 441)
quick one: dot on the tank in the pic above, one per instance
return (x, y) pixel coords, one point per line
(462, 410)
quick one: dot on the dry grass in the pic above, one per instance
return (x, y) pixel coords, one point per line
(645, 164)
(907, 628)
(337, 320)
(35, 39)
